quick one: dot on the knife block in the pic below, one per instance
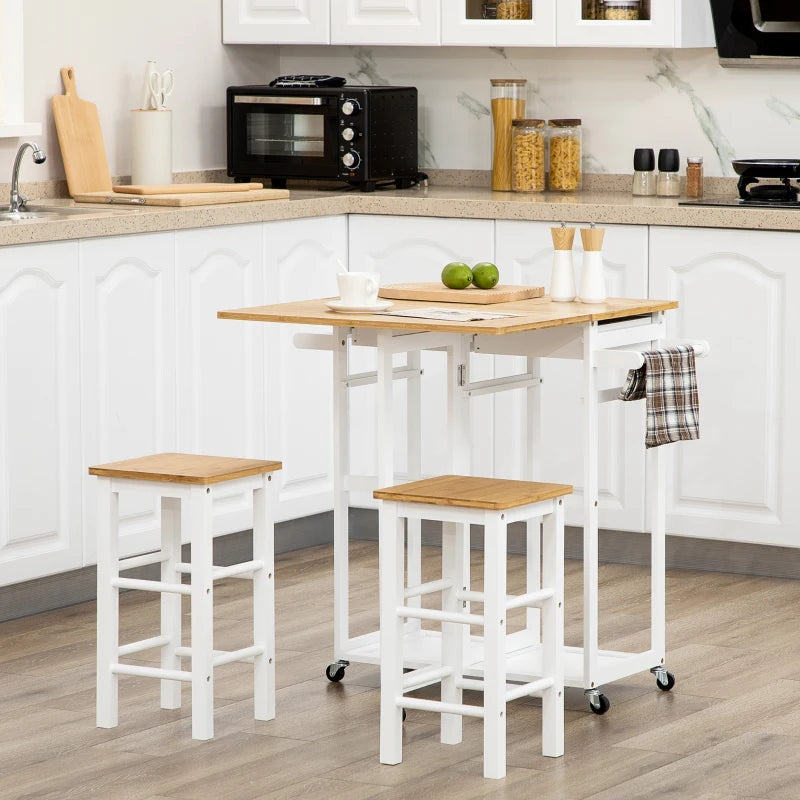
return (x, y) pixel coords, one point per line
(151, 147)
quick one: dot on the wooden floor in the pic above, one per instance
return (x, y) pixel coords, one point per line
(729, 730)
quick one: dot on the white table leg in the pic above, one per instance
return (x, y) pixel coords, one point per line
(264, 598)
(107, 603)
(341, 466)
(532, 472)
(658, 602)
(414, 456)
(170, 602)
(590, 509)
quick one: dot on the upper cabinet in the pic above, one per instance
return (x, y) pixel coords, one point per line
(482, 23)
(638, 23)
(276, 22)
(375, 22)
(12, 78)
(475, 22)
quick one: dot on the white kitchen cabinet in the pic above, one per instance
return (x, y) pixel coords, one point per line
(738, 290)
(301, 259)
(12, 77)
(406, 249)
(664, 23)
(220, 364)
(524, 254)
(40, 446)
(379, 22)
(463, 24)
(275, 21)
(128, 370)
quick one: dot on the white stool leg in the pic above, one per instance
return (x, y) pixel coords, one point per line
(107, 603)
(553, 631)
(170, 602)
(264, 599)
(201, 520)
(494, 646)
(452, 632)
(391, 597)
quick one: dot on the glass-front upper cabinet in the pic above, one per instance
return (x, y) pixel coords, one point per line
(499, 23)
(634, 23)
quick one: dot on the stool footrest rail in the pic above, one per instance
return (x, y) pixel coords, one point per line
(417, 703)
(439, 616)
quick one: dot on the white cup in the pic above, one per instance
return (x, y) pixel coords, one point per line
(358, 288)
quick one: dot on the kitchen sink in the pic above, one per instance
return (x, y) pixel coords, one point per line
(50, 212)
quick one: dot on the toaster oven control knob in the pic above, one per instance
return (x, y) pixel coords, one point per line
(348, 134)
(351, 160)
(350, 108)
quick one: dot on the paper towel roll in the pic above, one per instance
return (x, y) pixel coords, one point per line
(151, 147)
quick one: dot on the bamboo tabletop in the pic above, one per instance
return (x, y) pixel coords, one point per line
(539, 312)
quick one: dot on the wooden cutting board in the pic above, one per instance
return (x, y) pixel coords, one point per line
(196, 199)
(81, 139)
(441, 294)
(187, 188)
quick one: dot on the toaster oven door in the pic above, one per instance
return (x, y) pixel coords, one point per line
(283, 136)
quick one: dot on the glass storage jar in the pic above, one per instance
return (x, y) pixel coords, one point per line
(566, 174)
(508, 103)
(694, 177)
(514, 9)
(593, 9)
(622, 9)
(527, 155)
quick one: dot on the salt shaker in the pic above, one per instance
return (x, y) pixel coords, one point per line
(593, 284)
(562, 280)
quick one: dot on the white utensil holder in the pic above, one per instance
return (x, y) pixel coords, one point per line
(151, 147)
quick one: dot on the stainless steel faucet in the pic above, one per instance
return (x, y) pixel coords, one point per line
(17, 200)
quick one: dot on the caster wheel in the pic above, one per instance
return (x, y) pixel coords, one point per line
(335, 672)
(667, 684)
(602, 706)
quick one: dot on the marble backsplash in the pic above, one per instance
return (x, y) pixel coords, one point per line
(626, 99)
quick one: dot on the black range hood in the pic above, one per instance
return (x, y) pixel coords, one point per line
(757, 33)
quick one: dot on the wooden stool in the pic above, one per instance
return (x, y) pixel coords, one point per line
(176, 477)
(457, 502)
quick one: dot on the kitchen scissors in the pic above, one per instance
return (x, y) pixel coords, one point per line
(161, 86)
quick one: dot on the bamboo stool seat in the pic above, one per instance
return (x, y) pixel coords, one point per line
(458, 502)
(186, 485)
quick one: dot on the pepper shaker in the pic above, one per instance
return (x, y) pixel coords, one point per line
(562, 280)
(593, 283)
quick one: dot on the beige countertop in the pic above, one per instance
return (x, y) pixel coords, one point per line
(434, 201)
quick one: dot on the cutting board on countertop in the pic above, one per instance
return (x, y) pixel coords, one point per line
(81, 139)
(188, 188)
(196, 199)
(441, 294)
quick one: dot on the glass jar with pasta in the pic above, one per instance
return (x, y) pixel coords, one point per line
(566, 174)
(508, 103)
(513, 9)
(527, 155)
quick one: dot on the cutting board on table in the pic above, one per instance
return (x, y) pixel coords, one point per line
(81, 139)
(187, 188)
(439, 293)
(181, 199)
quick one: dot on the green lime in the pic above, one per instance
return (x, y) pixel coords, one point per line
(456, 275)
(485, 275)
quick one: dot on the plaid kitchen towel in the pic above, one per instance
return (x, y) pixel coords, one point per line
(668, 382)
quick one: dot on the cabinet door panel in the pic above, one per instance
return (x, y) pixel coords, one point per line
(377, 22)
(275, 22)
(404, 249)
(302, 259)
(40, 462)
(525, 256)
(128, 378)
(736, 289)
(462, 23)
(221, 362)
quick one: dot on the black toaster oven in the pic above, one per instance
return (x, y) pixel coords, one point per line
(359, 134)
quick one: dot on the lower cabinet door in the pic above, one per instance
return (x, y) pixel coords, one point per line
(40, 447)
(301, 260)
(128, 370)
(525, 256)
(413, 249)
(220, 363)
(740, 291)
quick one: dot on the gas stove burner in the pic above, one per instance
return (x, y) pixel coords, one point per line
(776, 193)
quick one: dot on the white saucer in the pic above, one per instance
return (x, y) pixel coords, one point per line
(338, 305)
